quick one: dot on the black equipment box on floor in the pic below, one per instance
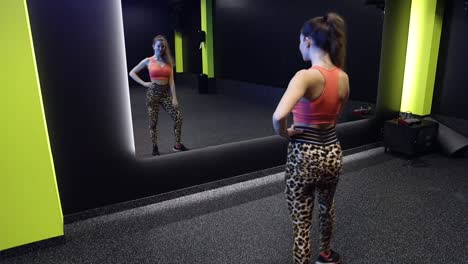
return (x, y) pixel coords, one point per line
(410, 139)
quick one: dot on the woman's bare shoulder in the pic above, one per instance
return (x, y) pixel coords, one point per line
(343, 84)
(344, 75)
(313, 76)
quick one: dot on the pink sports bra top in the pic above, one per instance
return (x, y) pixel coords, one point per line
(325, 109)
(157, 72)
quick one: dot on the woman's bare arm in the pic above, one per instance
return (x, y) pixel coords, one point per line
(133, 73)
(344, 83)
(296, 89)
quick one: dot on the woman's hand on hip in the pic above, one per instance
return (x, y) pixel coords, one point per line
(149, 84)
(294, 131)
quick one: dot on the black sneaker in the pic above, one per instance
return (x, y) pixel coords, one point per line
(155, 150)
(331, 258)
(179, 147)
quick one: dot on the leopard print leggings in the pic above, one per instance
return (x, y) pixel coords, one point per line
(159, 95)
(311, 169)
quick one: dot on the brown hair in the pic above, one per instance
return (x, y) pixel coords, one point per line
(329, 34)
(166, 56)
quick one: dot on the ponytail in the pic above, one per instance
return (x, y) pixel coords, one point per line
(337, 39)
(329, 34)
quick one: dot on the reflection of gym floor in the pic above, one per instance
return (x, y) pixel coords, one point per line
(208, 120)
(385, 213)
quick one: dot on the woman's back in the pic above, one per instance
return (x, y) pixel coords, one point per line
(321, 105)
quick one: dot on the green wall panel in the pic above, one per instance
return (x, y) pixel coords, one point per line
(422, 53)
(179, 52)
(207, 47)
(29, 201)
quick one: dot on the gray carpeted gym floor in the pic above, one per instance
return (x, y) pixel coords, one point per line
(387, 212)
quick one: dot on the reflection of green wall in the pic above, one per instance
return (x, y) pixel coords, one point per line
(29, 202)
(179, 52)
(410, 48)
(207, 47)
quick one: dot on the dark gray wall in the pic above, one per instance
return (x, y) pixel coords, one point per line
(192, 25)
(451, 86)
(257, 41)
(143, 20)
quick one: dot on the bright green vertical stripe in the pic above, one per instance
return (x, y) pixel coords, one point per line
(421, 58)
(393, 55)
(29, 201)
(207, 47)
(179, 55)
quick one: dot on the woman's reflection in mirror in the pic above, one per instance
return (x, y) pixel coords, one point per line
(161, 91)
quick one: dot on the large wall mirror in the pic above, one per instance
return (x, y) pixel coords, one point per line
(255, 55)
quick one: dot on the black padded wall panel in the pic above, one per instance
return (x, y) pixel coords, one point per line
(451, 86)
(192, 54)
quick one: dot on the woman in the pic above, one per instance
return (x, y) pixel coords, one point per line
(316, 97)
(162, 78)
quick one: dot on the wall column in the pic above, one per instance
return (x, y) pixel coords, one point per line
(410, 48)
(29, 199)
(207, 47)
(425, 29)
(179, 52)
(393, 57)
